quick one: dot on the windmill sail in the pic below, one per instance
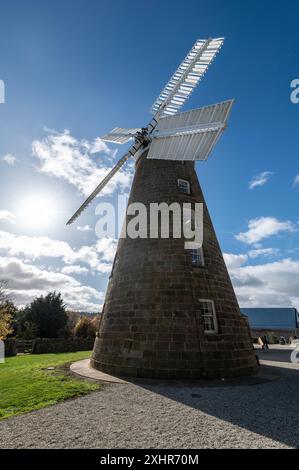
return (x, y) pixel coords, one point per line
(186, 136)
(120, 135)
(99, 188)
(187, 76)
(191, 135)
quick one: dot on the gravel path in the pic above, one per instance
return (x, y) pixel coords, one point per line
(169, 416)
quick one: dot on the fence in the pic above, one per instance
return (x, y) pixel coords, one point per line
(24, 345)
(14, 346)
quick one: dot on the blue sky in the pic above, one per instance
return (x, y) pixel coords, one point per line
(89, 66)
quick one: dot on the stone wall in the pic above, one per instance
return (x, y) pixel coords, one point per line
(151, 324)
(61, 345)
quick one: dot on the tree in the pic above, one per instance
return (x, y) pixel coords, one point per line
(85, 328)
(48, 314)
(5, 324)
(6, 311)
(13, 312)
(26, 329)
(73, 318)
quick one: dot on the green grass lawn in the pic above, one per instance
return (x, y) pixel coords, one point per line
(26, 384)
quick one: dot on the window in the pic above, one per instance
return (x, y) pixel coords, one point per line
(207, 310)
(184, 186)
(197, 257)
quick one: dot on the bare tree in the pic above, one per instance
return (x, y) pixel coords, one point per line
(5, 311)
(4, 295)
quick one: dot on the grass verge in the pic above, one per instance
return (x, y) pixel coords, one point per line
(27, 384)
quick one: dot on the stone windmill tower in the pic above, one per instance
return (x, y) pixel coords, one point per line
(170, 309)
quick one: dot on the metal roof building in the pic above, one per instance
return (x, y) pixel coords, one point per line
(276, 319)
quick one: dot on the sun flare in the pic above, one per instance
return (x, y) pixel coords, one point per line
(37, 211)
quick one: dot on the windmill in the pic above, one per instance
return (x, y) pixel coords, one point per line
(187, 136)
(171, 312)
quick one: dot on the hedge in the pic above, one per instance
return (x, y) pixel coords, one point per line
(10, 347)
(61, 345)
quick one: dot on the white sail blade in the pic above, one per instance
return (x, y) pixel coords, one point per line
(120, 135)
(187, 147)
(99, 188)
(191, 135)
(187, 76)
(200, 118)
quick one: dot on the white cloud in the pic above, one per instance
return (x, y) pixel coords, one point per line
(264, 227)
(7, 216)
(267, 285)
(63, 156)
(234, 261)
(267, 252)
(106, 247)
(85, 228)
(9, 159)
(296, 180)
(260, 180)
(74, 270)
(97, 257)
(26, 281)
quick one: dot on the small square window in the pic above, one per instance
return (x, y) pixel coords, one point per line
(207, 310)
(184, 186)
(197, 257)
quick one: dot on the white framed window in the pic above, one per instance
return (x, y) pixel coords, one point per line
(197, 257)
(208, 313)
(184, 186)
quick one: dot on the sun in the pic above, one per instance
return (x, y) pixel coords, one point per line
(37, 211)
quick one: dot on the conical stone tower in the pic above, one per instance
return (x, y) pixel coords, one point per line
(171, 312)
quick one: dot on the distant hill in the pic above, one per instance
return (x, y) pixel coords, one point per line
(89, 314)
